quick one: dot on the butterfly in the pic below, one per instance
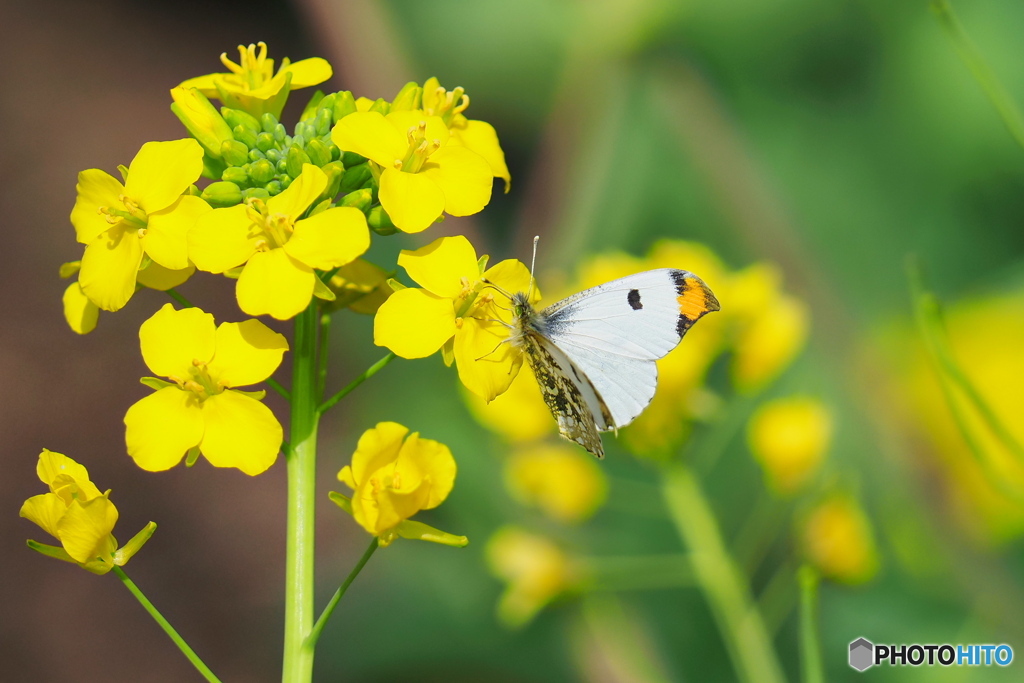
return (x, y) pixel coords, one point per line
(594, 353)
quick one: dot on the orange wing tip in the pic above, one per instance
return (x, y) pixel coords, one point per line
(695, 299)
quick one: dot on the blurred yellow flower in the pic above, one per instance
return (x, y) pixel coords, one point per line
(421, 176)
(836, 538)
(789, 437)
(519, 414)
(455, 311)
(394, 477)
(535, 569)
(279, 248)
(252, 86)
(79, 516)
(565, 484)
(147, 218)
(360, 286)
(200, 410)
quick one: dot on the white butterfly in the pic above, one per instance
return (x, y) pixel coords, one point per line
(594, 353)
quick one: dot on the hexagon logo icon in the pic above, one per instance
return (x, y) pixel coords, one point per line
(862, 653)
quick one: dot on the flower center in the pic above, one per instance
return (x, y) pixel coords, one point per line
(199, 381)
(419, 151)
(253, 68)
(273, 230)
(446, 103)
(132, 214)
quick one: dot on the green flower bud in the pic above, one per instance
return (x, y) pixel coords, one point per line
(268, 122)
(351, 159)
(318, 152)
(335, 150)
(335, 172)
(245, 136)
(256, 155)
(380, 222)
(360, 199)
(382, 106)
(280, 133)
(322, 206)
(344, 104)
(295, 159)
(274, 187)
(311, 107)
(408, 98)
(282, 165)
(236, 175)
(274, 155)
(285, 180)
(264, 141)
(298, 140)
(255, 192)
(222, 194)
(235, 153)
(327, 103)
(237, 117)
(322, 123)
(262, 172)
(193, 191)
(355, 177)
(201, 119)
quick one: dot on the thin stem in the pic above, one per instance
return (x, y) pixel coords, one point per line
(166, 626)
(980, 69)
(314, 635)
(370, 372)
(276, 386)
(179, 298)
(723, 585)
(298, 661)
(810, 647)
(321, 372)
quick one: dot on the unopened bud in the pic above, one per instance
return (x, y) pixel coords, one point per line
(255, 192)
(245, 136)
(380, 222)
(408, 98)
(309, 111)
(256, 155)
(382, 106)
(264, 141)
(234, 153)
(268, 122)
(344, 104)
(262, 172)
(237, 117)
(355, 177)
(201, 119)
(318, 152)
(335, 172)
(322, 122)
(295, 159)
(360, 199)
(351, 159)
(222, 194)
(236, 175)
(274, 187)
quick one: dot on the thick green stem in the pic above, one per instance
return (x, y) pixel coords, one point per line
(314, 635)
(810, 648)
(724, 587)
(298, 620)
(166, 626)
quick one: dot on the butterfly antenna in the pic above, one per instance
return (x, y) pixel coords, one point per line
(533, 263)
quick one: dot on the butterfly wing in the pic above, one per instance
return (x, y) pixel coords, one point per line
(614, 332)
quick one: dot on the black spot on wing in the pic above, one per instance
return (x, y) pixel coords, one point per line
(634, 299)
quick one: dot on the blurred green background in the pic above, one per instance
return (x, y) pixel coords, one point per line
(830, 139)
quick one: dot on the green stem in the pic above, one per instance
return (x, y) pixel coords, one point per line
(179, 298)
(314, 635)
(298, 620)
(276, 386)
(981, 71)
(810, 648)
(321, 372)
(370, 372)
(724, 587)
(166, 626)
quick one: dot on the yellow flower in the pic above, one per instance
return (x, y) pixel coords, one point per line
(252, 86)
(564, 483)
(280, 250)
(421, 174)
(146, 218)
(79, 516)
(360, 286)
(790, 437)
(201, 411)
(476, 136)
(393, 478)
(836, 538)
(519, 414)
(535, 569)
(454, 305)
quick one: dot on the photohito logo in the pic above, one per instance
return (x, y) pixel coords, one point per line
(864, 654)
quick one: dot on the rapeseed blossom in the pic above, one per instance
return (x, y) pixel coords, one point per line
(790, 437)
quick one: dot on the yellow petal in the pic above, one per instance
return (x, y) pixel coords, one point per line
(44, 510)
(166, 236)
(487, 363)
(513, 276)
(173, 341)
(434, 460)
(240, 432)
(464, 177)
(377, 447)
(330, 239)
(80, 313)
(300, 194)
(370, 135)
(162, 171)
(480, 137)
(307, 72)
(222, 239)
(205, 84)
(413, 200)
(156, 276)
(52, 465)
(85, 528)
(414, 323)
(273, 283)
(444, 267)
(247, 352)
(96, 189)
(109, 268)
(406, 120)
(162, 427)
